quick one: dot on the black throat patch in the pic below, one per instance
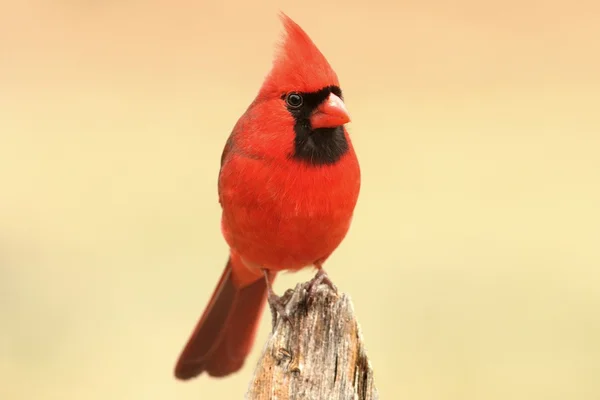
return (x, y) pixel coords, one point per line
(321, 146)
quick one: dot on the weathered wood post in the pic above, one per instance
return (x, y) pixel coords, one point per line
(319, 356)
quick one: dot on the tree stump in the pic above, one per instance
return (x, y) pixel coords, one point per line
(319, 356)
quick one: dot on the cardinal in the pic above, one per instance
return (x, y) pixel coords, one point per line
(288, 185)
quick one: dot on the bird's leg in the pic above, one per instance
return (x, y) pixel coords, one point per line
(319, 278)
(276, 303)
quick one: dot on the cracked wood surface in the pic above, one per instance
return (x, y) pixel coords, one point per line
(320, 357)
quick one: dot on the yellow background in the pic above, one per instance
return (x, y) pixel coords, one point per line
(473, 260)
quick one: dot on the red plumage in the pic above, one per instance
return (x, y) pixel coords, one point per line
(298, 64)
(224, 335)
(288, 185)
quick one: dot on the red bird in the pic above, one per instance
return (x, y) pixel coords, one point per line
(288, 185)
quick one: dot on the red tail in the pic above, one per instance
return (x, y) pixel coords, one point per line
(225, 333)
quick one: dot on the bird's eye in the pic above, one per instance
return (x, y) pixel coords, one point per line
(294, 100)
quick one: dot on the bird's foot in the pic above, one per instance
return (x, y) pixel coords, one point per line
(277, 304)
(319, 278)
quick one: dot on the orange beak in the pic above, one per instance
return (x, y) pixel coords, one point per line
(330, 114)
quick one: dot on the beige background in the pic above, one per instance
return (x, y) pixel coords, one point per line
(474, 256)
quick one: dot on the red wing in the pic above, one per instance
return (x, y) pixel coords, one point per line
(228, 147)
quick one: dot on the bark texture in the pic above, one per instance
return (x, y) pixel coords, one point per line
(319, 356)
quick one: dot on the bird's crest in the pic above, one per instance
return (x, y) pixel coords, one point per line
(298, 64)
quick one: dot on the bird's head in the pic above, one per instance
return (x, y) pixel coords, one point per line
(299, 111)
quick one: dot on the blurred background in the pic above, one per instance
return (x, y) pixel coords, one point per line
(474, 257)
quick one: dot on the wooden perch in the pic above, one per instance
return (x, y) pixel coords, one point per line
(320, 356)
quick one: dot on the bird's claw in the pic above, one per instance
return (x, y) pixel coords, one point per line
(319, 278)
(277, 305)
